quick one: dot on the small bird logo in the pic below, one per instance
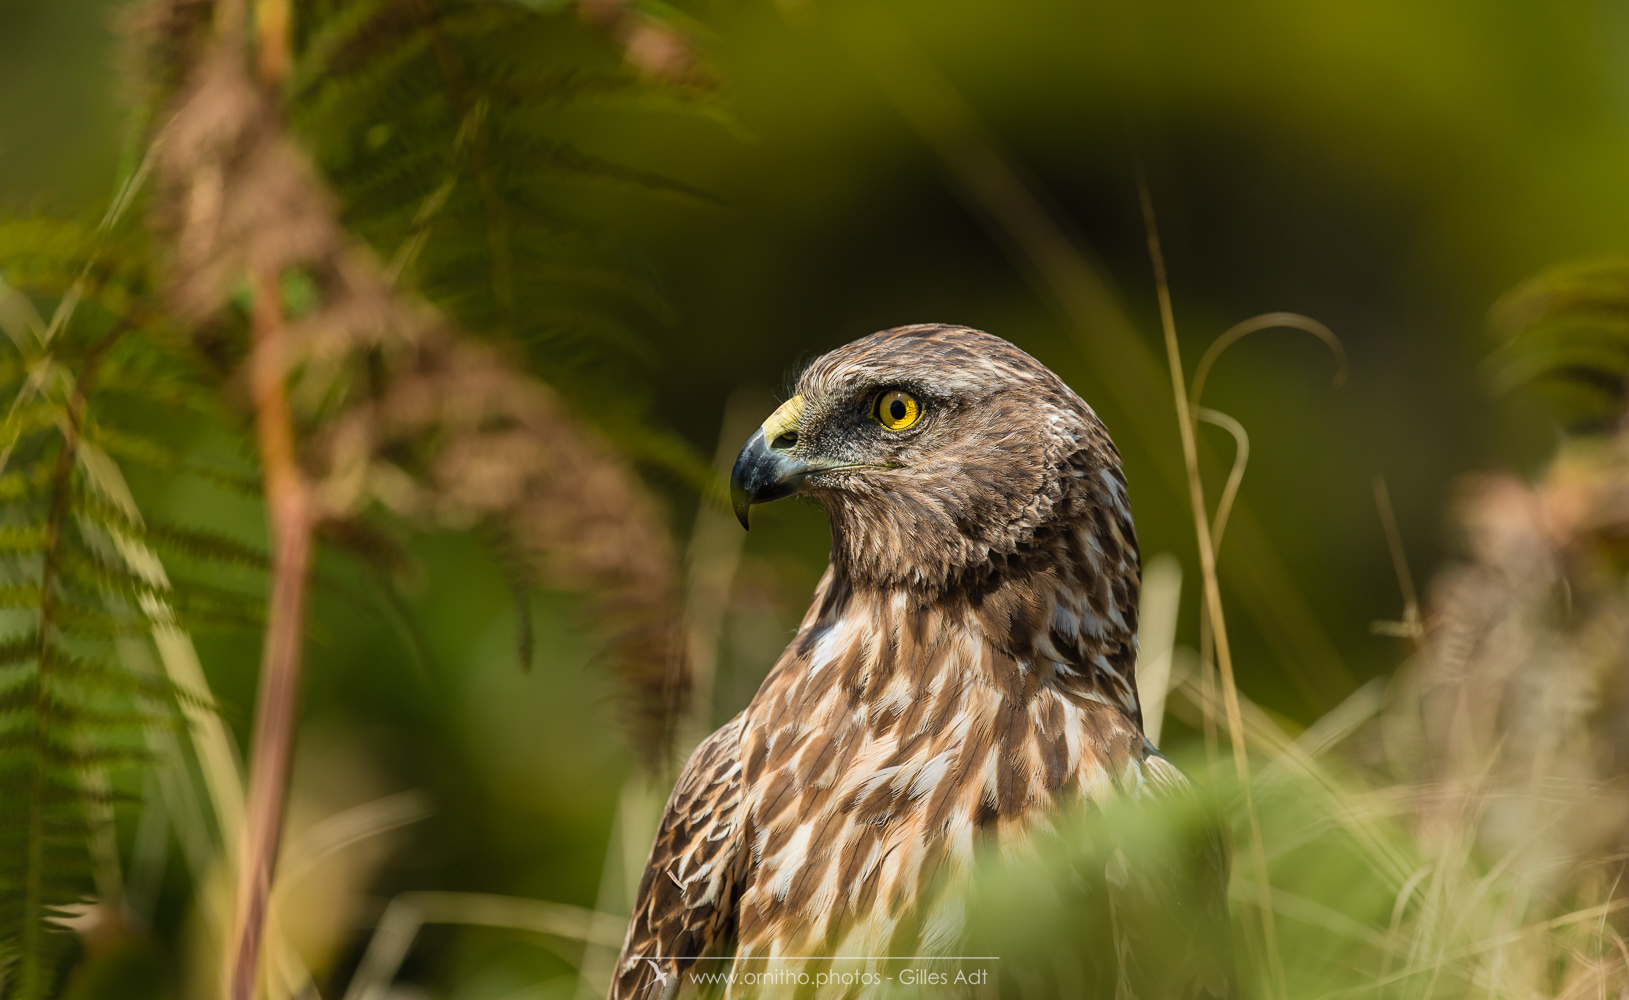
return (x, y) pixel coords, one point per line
(660, 977)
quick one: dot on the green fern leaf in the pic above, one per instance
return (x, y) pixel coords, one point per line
(77, 563)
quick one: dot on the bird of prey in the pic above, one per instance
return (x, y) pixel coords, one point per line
(963, 674)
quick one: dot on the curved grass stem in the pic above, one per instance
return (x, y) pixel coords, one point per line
(1266, 321)
(1235, 476)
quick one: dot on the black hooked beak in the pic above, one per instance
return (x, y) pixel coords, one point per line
(766, 469)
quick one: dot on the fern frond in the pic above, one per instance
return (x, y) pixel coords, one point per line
(435, 123)
(69, 540)
(27, 538)
(18, 648)
(1567, 341)
(205, 546)
(144, 452)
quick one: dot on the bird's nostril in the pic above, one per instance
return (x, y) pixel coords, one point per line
(784, 442)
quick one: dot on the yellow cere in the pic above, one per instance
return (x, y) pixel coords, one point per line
(897, 409)
(785, 419)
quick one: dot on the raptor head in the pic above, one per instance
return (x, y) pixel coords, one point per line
(942, 455)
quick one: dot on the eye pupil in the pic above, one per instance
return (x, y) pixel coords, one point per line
(897, 409)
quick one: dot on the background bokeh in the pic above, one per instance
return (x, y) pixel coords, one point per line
(1387, 168)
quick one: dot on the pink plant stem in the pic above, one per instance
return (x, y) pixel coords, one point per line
(290, 519)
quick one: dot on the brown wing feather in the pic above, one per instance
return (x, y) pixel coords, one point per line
(686, 902)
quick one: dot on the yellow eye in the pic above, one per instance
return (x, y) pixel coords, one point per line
(897, 409)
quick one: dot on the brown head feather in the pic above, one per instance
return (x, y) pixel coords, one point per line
(1006, 496)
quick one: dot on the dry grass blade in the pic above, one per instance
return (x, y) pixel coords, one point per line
(1156, 638)
(394, 936)
(1212, 590)
(358, 823)
(711, 561)
(1410, 627)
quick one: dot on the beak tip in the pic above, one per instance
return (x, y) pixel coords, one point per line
(744, 477)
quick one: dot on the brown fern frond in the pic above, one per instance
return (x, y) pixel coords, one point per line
(456, 439)
(396, 408)
(1519, 698)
